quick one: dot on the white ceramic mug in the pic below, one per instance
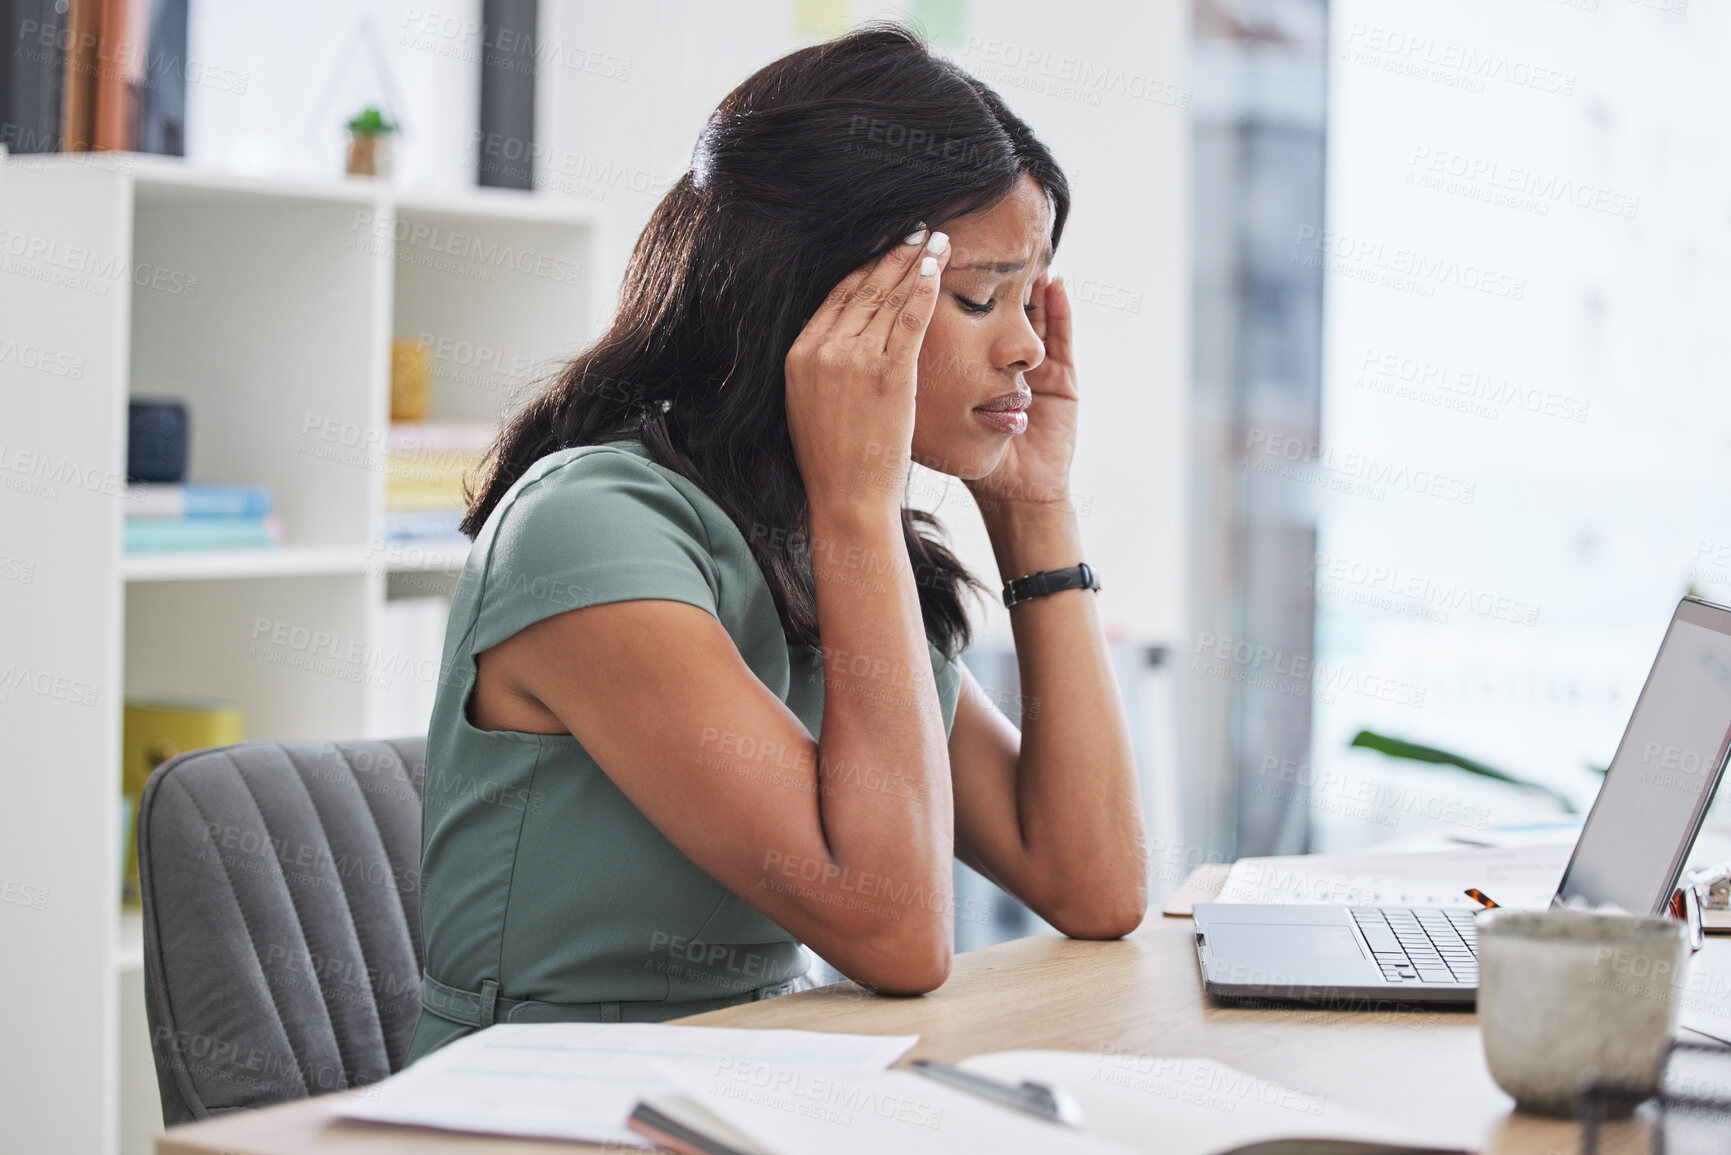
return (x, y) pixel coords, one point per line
(1567, 997)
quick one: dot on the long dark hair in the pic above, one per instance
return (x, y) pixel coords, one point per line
(807, 170)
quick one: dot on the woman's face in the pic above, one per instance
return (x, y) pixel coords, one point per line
(971, 397)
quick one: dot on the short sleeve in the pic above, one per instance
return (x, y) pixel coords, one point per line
(948, 675)
(587, 527)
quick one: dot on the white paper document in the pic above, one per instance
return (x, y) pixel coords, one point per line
(1198, 1106)
(1703, 996)
(581, 1080)
(1130, 1103)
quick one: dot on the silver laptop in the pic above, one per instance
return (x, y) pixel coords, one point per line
(1630, 853)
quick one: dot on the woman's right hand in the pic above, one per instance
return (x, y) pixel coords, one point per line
(851, 378)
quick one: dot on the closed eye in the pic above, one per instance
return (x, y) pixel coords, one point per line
(986, 306)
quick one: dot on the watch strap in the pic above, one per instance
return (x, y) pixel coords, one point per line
(1038, 585)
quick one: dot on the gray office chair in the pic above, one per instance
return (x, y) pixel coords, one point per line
(282, 919)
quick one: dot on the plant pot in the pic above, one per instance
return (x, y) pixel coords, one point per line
(369, 154)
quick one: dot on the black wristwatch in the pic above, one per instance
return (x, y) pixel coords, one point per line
(1038, 585)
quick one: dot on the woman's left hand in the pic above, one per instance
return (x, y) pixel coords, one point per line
(1036, 468)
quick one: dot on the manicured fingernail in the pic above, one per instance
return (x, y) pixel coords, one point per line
(929, 265)
(938, 243)
(916, 236)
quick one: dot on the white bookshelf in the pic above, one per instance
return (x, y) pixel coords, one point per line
(285, 561)
(269, 307)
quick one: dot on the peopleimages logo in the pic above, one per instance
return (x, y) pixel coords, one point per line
(26, 355)
(1399, 266)
(451, 250)
(1356, 473)
(1383, 801)
(1086, 80)
(465, 38)
(78, 267)
(1297, 674)
(1488, 175)
(43, 475)
(1460, 389)
(1449, 63)
(834, 1098)
(580, 172)
(1342, 577)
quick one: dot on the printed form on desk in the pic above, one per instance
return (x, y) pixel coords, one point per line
(1517, 866)
(1520, 876)
(581, 1080)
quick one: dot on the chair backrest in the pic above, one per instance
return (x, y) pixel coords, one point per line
(282, 919)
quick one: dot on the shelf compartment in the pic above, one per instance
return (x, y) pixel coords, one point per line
(295, 652)
(261, 313)
(500, 302)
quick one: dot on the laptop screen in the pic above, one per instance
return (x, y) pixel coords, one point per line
(1639, 832)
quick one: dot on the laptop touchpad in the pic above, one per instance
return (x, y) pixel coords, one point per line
(1282, 940)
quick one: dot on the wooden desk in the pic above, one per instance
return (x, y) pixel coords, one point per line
(1142, 994)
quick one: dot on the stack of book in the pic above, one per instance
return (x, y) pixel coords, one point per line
(199, 515)
(427, 465)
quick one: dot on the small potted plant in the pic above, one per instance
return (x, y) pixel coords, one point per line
(370, 144)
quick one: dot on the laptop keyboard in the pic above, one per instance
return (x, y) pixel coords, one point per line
(1425, 945)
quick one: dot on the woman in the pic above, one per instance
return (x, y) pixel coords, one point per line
(648, 784)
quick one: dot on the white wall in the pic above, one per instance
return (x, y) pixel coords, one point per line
(270, 87)
(1527, 212)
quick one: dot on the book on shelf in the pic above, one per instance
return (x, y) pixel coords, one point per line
(120, 66)
(410, 438)
(414, 524)
(426, 464)
(78, 97)
(197, 499)
(33, 71)
(402, 497)
(162, 534)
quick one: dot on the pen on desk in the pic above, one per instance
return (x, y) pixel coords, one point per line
(1053, 1104)
(1481, 897)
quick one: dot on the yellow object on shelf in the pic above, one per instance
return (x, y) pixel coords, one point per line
(404, 499)
(427, 464)
(155, 729)
(411, 379)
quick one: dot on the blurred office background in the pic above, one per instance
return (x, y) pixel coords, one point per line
(1458, 401)
(1401, 328)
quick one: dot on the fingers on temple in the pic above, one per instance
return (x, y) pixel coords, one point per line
(901, 324)
(836, 304)
(1058, 315)
(876, 291)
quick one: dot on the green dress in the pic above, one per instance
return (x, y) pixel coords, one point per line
(545, 894)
